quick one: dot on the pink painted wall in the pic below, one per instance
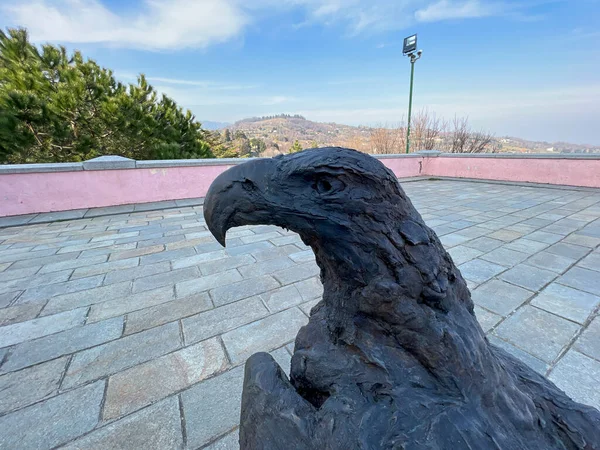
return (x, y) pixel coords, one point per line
(570, 172)
(25, 193)
(60, 191)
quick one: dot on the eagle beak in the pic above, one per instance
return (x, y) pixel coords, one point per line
(236, 197)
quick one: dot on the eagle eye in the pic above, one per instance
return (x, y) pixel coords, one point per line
(327, 185)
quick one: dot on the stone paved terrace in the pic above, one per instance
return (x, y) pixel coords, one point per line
(131, 330)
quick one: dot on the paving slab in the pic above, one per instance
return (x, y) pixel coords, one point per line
(538, 332)
(582, 279)
(579, 376)
(212, 408)
(528, 277)
(588, 342)
(566, 302)
(263, 335)
(63, 343)
(500, 297)
(146, 383)
(219, 320)
(233, 292)
(121, 354)
(156, 427)
(479, 270)
(53, 422)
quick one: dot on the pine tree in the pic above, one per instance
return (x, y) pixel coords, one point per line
(296, 147)
(56, 107)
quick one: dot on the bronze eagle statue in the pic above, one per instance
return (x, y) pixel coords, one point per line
(393, 356)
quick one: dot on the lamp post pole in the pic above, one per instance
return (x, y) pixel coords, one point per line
(408, 49)
(412, 74)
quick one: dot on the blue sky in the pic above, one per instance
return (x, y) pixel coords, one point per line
(521, 68)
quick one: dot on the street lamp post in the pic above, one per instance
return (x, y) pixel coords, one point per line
(410, 45)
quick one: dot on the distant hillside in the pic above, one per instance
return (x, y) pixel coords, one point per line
(280, 132)
(209, 125)
(283, 131)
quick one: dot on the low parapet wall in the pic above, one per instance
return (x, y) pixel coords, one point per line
(110, 181)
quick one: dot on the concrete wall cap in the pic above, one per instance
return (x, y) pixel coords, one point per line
(40, 168)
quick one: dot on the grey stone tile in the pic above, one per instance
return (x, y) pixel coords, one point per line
(479, 270)
(266, 267)
(568, 250)
(106, 250)
(274, 252)
(28, 386)
(63, 343)
(547, 238)
(308, 306)
(11, 275)
(588, 342)
(303, 256)
(167, 312)
(146, 383)
(4, 266)
(566, 302)
(591, 262)
(129, 303)
(529, 277)
(12, 221)
(505, 235)
(285, 240)
(58, 216)
(121, 354)
(137, 272)
(310, 289)
(37, 258)
(579, 377)
(538, 332)
(297, 273)
(86, 298)
(198, 259)
(165, 279)
(249, 248)
(283, 358)
(8, 297)
(500, 297)
(156, 427)
(169, 255)
(212, 408)
(260, 237)
(106, 267)
(42, 293)
(191, 287)
(550, 261)
(108, 210)
(237, 291)
(263, 335)
(34, 281)
(583, 240)
(505, 257)
(453, 239)
(219, 320)
(461, 254)
(127, 254)
(527, 246)
(19, 313)
(228, 442)
(535, 363)
(282, 298)
(54, 421)
(224, 264)
(487, 320)
(73, 264)
(582, 279)
(44, 326)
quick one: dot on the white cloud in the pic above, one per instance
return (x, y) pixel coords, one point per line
(446, 9)
(176, 24)
(156, 25)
